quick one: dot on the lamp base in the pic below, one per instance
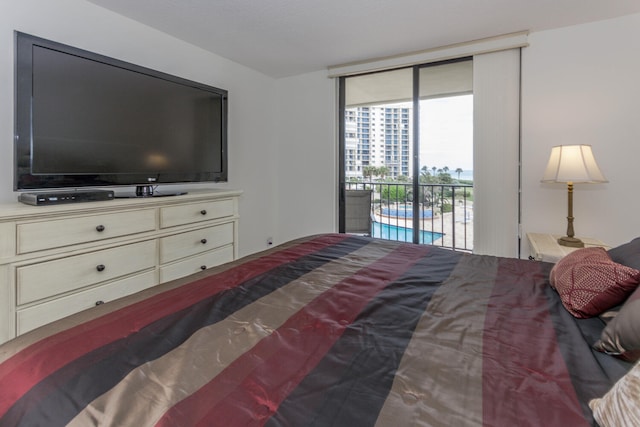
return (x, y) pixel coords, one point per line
(571, 242)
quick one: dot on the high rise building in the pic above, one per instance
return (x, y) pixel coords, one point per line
(378, 136)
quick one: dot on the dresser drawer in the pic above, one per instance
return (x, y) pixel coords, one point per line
(194, 242)
(35, 236)
(38, 315)
(196, 263)
(46, 279)
(172, 216)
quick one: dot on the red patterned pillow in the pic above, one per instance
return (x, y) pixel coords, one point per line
(589, 282)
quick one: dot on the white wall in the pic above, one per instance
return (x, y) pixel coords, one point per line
(252, 116)
(581, 85)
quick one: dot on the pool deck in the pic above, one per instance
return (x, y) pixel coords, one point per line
(444, 224)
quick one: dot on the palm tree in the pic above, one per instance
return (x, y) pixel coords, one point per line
(368, 171)
(424, 174)
(382, 171)
(459, 171)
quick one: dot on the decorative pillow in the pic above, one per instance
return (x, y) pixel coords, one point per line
(621, 336)
(627, 254)
(620, 406)
(589, 282)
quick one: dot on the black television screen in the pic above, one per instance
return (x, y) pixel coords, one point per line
(83, 119)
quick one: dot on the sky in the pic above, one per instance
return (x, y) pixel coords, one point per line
(446, 133)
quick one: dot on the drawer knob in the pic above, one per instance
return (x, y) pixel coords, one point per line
(203, 212)
(100, 267)
(100, 302)
(203, 267)
(203, 241)
(100, 228)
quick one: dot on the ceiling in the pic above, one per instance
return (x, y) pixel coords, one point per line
(282, 38)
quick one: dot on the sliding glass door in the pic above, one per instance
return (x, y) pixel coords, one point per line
(406, 147)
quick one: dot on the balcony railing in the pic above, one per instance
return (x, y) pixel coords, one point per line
(444, 212)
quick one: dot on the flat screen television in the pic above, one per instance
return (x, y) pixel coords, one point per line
(83, 119)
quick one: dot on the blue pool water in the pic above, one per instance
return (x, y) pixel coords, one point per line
(406, 212)
(402, 234)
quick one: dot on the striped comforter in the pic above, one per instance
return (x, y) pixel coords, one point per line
(329, 330)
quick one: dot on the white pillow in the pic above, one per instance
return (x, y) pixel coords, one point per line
(620, 407)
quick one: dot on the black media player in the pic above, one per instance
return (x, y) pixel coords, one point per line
(59, 197)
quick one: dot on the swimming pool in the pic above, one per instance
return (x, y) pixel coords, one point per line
(402, 234)
(405, 211)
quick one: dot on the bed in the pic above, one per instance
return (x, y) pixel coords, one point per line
(327, 330)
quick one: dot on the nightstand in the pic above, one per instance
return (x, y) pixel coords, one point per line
(545, 247)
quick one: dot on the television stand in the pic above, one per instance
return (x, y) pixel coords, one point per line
(51, 257)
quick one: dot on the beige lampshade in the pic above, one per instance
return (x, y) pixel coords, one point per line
(572, 163)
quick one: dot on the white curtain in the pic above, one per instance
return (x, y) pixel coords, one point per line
(496, 157)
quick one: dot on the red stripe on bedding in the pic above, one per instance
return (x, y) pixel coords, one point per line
(524, 374)
(31, 365)
(250, 390)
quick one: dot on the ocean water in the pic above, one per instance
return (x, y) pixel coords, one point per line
(467, 175)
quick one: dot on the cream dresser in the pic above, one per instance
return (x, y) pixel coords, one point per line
(58, 260)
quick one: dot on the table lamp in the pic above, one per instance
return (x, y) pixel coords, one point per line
(572, 164)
